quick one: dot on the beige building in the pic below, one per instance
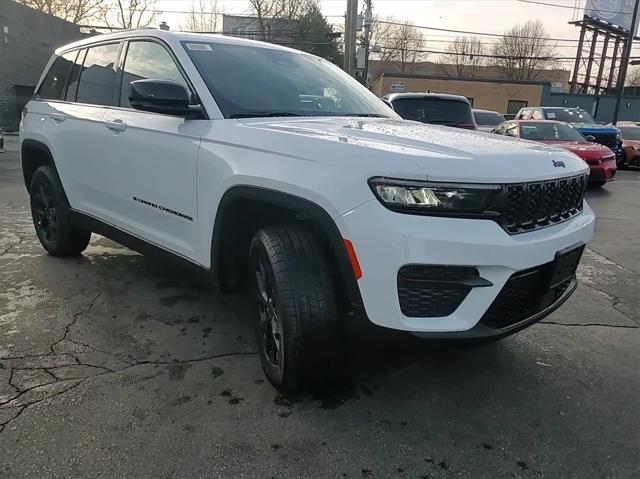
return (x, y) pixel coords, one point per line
(504, 96)
(557, 77)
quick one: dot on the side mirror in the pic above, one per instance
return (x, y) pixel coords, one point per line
(163, 96)
(590, 138)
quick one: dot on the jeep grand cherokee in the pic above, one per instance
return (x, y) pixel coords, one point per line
(259, 162)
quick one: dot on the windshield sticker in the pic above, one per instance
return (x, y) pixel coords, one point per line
(203, 47)
(551, 115)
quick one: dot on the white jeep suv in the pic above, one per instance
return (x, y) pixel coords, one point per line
(278, 172)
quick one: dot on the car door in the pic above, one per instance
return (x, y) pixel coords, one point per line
(153, 165)
(73, 119)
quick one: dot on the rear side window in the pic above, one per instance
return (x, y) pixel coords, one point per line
(434, 110)
(147, 60)
(54, 82)
(488, 118)
(98, 75)
(74, 77)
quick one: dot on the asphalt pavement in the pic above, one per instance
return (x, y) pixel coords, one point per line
(114, 365)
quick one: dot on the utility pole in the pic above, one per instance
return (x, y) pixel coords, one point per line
(368, 20)
(624, 63)
(350, 29)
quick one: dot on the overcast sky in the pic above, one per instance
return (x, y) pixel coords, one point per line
(491, 16)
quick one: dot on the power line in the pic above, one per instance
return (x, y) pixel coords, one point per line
(466, 32)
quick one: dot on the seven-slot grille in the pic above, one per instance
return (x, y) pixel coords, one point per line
(530, 206)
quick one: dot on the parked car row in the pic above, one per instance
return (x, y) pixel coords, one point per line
(603, 148)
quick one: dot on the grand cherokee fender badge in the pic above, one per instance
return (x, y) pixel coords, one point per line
(162, 208)
(559, 164)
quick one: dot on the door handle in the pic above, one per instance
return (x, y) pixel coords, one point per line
(116, 125)
(57, 117)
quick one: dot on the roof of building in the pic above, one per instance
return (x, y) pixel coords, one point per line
(470, 79)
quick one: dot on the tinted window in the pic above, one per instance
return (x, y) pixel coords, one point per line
(54, 82)
(569, 115)
(549, 131)
(98, 75)
(488, 118)
(256, 81)
(434, 110)
(629, 132)
(74, 77)
(147, 60)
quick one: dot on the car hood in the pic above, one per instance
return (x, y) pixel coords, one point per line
(381, 146)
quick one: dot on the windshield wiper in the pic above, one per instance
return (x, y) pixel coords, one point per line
(264, 114)
(441, 122)
(366, 115)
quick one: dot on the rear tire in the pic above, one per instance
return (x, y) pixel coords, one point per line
(296, 324)
(50, 213)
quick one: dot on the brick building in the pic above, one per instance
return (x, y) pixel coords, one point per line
(27, 40)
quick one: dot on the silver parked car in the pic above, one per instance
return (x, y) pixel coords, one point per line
(487, 120)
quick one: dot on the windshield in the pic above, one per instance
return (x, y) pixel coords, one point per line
(248, 81)
(549, 131)
(434, 110)
(570, 115)
(629, 132)
(488, 118)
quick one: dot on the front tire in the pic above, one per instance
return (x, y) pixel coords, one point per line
(296, 324)
(50, 213)
(598, 184)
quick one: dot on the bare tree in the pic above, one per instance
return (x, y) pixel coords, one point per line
(633, 76)
(524, 51)
(74, 11)
(397, 41)
(267, 12)
(464, 56)
(203, 18)
(131, 13)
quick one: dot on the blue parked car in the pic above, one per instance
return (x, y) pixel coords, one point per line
(608, 136)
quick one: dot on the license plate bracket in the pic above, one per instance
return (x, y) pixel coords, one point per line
(565, 264)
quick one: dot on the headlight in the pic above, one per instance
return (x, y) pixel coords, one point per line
(436, 198)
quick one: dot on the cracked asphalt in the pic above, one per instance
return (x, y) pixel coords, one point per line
(113, 365)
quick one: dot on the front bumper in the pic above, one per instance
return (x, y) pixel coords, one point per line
(632, 156)
(386, 241)
(605, 171)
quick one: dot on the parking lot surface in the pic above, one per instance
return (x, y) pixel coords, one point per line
(114, 365)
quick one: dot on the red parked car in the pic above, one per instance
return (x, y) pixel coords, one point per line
(601, 160)
(630, 133)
